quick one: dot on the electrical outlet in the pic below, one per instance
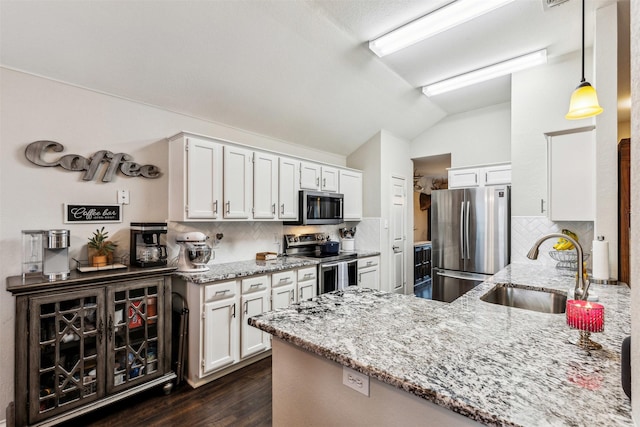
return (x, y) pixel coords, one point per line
(355, 380)
(123, 197)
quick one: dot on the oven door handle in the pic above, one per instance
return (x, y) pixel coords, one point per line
(329, 265)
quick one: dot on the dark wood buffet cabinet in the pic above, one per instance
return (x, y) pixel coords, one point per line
(88, 341)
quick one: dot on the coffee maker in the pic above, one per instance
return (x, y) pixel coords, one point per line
(145, 247)
(46, 253)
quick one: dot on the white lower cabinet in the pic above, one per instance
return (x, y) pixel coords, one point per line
(307, 285)
(218, 331)
(255, 300)
(283, 289)
(220, 339)
(369, 272)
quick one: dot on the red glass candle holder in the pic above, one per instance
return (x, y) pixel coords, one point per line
(587, 317)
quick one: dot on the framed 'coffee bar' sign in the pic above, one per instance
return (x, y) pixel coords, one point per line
(92, 213)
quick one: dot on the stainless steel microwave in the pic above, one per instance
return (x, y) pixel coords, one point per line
(319, 208)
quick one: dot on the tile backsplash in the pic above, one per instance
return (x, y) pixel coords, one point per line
(241, 240)
(525, 230)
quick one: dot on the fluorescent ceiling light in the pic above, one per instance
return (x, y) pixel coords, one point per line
(487, 73)
(436, 22)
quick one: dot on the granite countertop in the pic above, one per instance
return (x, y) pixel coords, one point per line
(491, 363)
(232, 270)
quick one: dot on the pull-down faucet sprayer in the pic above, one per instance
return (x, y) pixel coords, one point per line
(582, 288)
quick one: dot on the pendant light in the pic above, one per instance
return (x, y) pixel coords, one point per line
(584, 100)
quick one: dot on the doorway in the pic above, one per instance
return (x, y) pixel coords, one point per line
(429, 173)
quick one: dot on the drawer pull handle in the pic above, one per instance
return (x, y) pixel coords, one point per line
(222, 292)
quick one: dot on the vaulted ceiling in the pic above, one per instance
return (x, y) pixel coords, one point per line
(299, 71)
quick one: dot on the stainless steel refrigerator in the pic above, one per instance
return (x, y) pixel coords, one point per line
(470, 230)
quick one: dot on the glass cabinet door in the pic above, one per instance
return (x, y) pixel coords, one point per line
(67, 370)
(135, 333)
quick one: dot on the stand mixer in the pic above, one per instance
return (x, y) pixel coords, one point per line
(194, 252)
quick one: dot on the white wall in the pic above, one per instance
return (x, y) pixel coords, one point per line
(473, 138)
(367, 158)
(31, 197)
(606, 65)
(539, 102)
(382, 157)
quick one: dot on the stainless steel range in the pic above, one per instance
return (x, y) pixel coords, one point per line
(336, 270)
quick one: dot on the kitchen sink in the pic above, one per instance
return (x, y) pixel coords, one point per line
(528, 299)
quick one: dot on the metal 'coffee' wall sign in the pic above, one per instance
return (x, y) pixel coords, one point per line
(36, 151)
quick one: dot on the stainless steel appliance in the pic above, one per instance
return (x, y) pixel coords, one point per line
(46, 253)
(319, 208)
(336, 271)
(470, 230)
(195, 253)
(145, 247)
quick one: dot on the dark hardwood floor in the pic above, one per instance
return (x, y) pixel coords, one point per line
(242, 398)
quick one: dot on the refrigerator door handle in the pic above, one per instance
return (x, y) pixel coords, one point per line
(462, 230)
(466, 229)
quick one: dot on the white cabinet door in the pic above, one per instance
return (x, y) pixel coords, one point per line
(220, 335)
(253, 339)
(265, 185)
(309, 176)
(497, 175)
(351, 187)
(288, 188)
(254, 301)
(307, 283)
(571, 177)
(283, 296)
(329, 180)
(369, 272)
(464, 178)
(238, 172)
(195, 179)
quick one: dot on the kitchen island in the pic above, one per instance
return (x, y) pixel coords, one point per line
(458, 363)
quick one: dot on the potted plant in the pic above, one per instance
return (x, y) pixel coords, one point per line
(102, 246)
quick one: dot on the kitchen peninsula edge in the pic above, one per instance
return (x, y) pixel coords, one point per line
(488, 363)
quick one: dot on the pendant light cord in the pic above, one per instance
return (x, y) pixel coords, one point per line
(583, 79)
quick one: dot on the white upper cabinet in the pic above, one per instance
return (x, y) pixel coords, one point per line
(195, 186)
(480, 176)
(497, 175)
(265, 185)
(309, 176)
(571, 177)
(318, 177)
(329, 179)
(351, 187)
(288, 188)
(237, 182)
(217, 180)
(461, 178)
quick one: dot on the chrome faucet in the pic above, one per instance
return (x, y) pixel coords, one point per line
(582, 288)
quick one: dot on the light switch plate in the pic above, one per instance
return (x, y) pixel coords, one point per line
(123, 197)
(355, 380)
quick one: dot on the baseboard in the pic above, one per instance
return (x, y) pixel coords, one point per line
(3, 423)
